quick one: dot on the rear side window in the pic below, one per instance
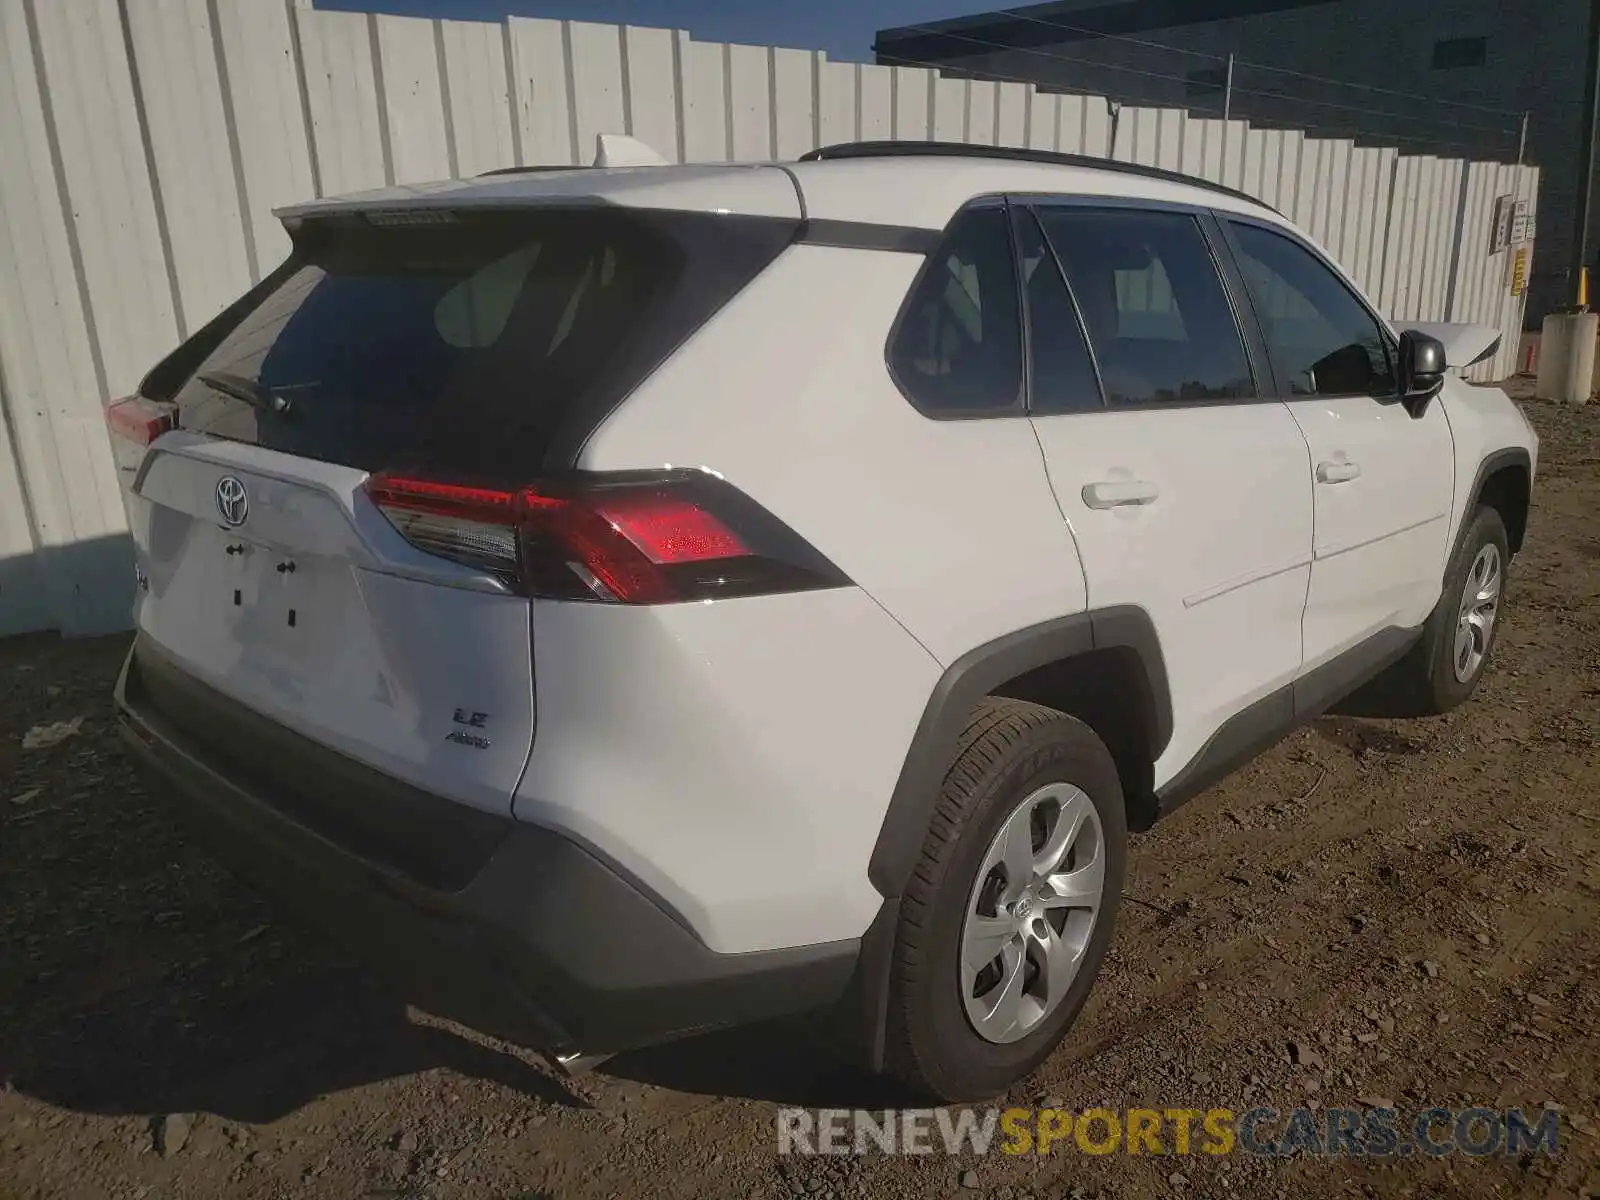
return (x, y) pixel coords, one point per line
(1158, 317)
(957, 350)
(467, 344)
(1062, 378)
(1323, 341)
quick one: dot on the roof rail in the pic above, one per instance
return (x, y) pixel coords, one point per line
(1017, 154)
(525, 171)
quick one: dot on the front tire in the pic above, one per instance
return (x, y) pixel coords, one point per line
(1443, 669)
(1010, 908)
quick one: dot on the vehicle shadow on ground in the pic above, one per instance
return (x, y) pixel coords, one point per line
(780, 1061)
(320, 1028)
(136, 976)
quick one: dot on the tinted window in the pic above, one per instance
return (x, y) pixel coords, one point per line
(958, 347)
(461, 345)
(1460, 52)
(1158, 317)
(1322, 340)
(1063, 378)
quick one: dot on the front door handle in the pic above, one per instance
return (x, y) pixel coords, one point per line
(1337, 472)
(1118, 493)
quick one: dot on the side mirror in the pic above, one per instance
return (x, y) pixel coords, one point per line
(1421, 370)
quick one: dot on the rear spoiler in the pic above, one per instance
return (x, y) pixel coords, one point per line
(1464, 345)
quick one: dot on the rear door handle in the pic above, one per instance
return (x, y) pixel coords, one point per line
(1118, 493)
(1337, 472)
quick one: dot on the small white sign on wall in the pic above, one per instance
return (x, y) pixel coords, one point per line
(1521, 230)
(1500, 228)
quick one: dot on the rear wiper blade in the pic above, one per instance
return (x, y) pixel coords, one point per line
(248, 390)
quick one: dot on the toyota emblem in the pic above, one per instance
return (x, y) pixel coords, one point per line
(232, 500)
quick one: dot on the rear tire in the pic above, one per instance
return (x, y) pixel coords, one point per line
(1045, 903)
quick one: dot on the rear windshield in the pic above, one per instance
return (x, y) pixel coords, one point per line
(469, 344)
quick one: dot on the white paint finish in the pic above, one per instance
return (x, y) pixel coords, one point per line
(362, 670)
(794, 89)
(175, 54)
(983, 103)
(877, 102)
(413, 99)
(926, 191)
(1012, 114)
(268, 116)
(1381, 536)
(342, 94)
(1219, 559)
(750, 102)
(653, 88)
(480, 96)
(696, 409)
(913, 98)
(102, 155)
(595, 62)
(763, 190)
(56, 429)
(705, 102)
(949, 110)
(539, 81)
(622, 763)
(1482, 420)
(838, 87)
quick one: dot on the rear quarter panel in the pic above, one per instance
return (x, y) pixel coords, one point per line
(950, 525)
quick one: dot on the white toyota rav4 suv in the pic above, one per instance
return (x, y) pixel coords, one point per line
(628, 602)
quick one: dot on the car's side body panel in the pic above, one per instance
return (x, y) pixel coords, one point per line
(950, 525)
(1490, 434)
(735, 757)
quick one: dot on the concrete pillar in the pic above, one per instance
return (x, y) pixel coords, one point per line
(1567, 357)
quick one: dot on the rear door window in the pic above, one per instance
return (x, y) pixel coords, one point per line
(463, 344)
(1158, 316)
(1062, 377)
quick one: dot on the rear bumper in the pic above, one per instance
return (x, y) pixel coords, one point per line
(521, 932)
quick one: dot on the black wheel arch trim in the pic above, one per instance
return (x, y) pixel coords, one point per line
(974, 675)
(1493, 462)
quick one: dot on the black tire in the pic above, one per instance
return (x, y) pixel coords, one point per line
(1424, 683)
(1009, 749)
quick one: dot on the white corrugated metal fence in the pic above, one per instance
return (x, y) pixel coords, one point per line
(145, 144)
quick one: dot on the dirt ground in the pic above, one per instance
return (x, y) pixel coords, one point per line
(1416, 904)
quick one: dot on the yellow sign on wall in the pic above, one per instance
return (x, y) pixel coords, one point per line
(1519, 271)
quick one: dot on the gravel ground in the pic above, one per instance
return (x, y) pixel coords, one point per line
(1374, 909)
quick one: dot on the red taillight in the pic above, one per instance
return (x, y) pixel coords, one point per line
(139, 420)
(634, 539)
